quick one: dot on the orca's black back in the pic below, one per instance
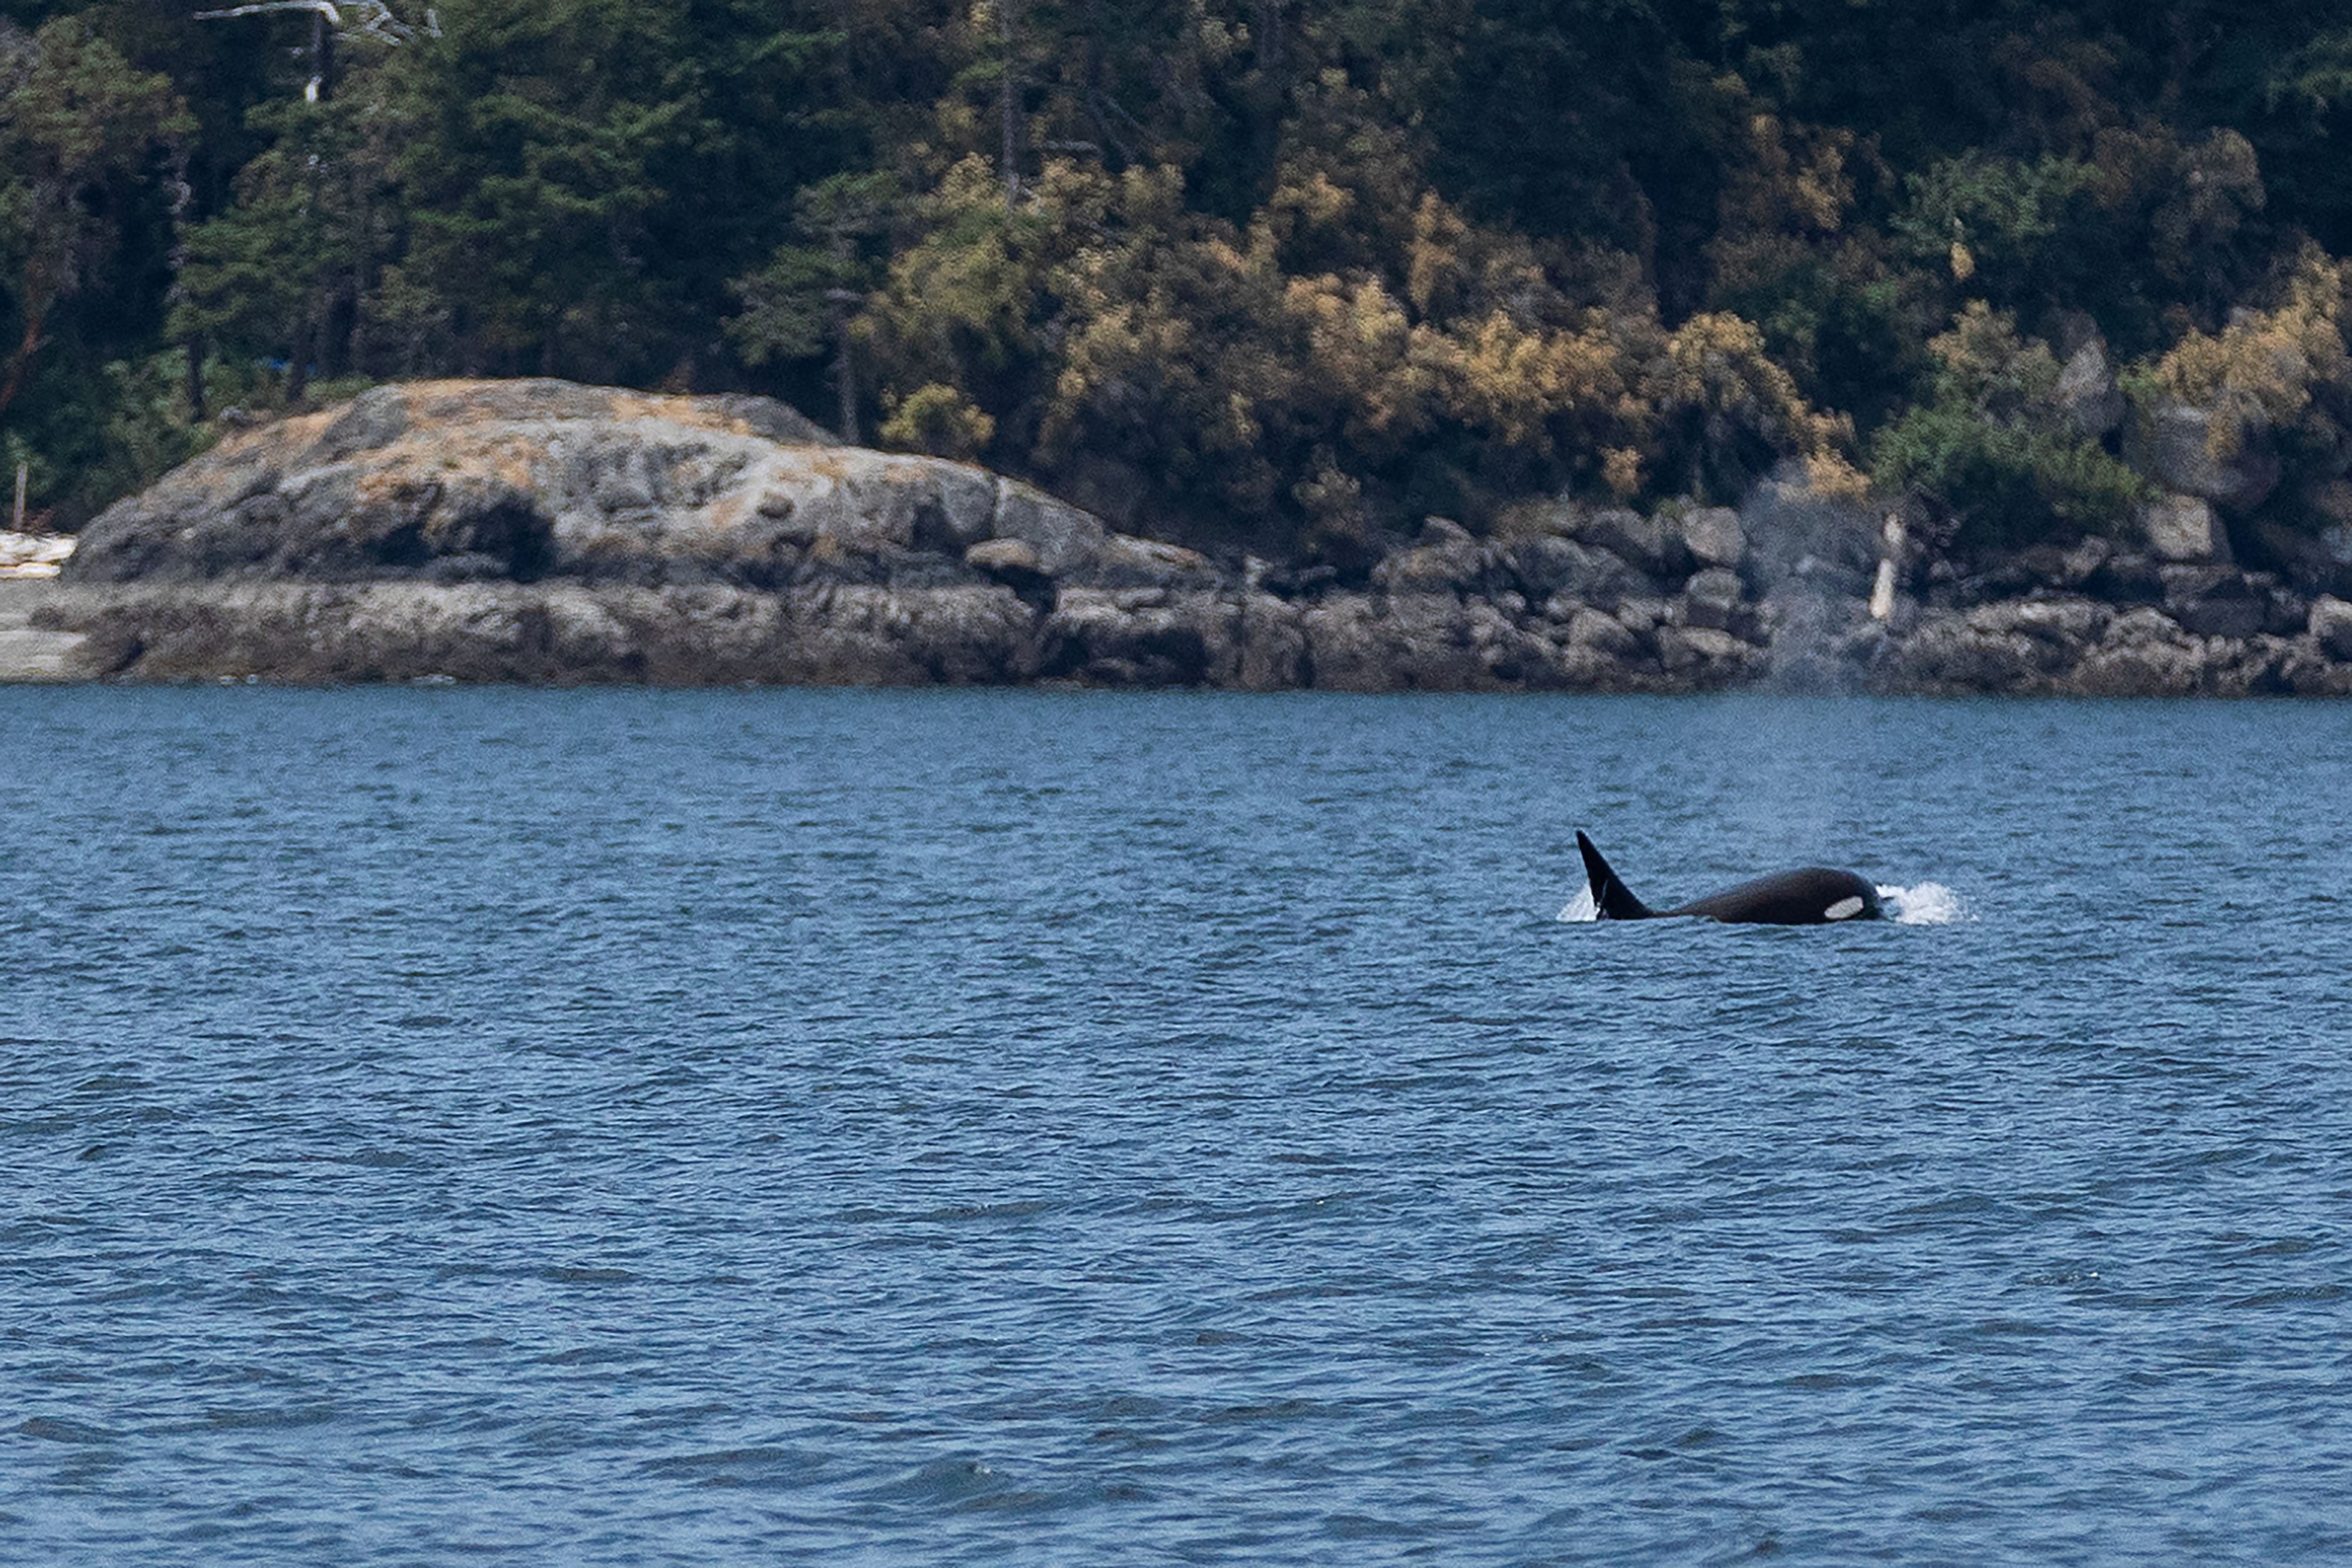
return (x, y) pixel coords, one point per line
(1806, 897)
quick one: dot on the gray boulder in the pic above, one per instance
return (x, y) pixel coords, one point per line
(1653, 544)
(1604, 635)
(2064, 626)
(1713, 537)
(2307, 670)
(2331, 627)
(1068, 542)
(2183, 528)
(2144, 653)
(1445, 558)
(1946, 652)
(1706, 658)
(1547, 568)
(2087, 394)
(2214, 601)
(1714, 600)
(1422, 642)
(1269, 648)
(1138, 637)
(2173, 443)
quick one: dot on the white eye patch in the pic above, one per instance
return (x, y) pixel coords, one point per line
(1845, 908)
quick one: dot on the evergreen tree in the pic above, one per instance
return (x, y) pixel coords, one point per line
(1296, 271)
(90, 152)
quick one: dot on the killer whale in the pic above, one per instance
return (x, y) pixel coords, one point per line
(1809, 895)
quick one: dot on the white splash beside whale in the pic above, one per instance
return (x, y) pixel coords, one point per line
(1928, 904)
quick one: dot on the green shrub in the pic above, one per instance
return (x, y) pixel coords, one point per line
(1994, 447)
(2006, 485)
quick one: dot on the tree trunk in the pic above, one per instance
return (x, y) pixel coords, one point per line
(1269, 35)
(844, 372)
(355, 348)
(196, 382)
(322, 59)
(21, 360)
(297, 373)
(1007, 96)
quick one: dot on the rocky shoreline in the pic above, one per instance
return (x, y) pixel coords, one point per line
(542, 532)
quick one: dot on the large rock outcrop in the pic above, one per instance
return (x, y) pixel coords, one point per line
(455, 482)
(545, 532)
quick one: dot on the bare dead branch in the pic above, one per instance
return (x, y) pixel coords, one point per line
(1100, 106)
(377, 19)
(323, 8)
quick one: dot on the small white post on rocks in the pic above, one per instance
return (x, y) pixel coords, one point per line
(1881, 592)
(23, 469)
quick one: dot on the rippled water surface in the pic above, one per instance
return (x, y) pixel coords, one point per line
(656, 1128)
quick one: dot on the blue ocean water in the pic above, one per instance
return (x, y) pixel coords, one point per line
(641, 1127)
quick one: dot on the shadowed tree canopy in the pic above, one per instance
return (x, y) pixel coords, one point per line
(1286, 273)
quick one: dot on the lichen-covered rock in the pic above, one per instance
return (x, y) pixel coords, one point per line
(520, 481)
(541, 532)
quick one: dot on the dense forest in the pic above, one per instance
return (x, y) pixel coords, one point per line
(1293, 271)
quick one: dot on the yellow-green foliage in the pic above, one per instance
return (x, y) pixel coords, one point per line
(940, 420)
(1986, 365)
(1189, 349)
(1352, 342)
(1785, 197)
(1304, 265)
(2261, 371)
(966, 299)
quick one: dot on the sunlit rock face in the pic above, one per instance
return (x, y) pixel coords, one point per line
(542, 531)
(523, 481)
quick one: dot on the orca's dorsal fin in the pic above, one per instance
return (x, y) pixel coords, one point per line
(1611, 898)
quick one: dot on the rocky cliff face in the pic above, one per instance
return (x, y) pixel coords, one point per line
(542, 531)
